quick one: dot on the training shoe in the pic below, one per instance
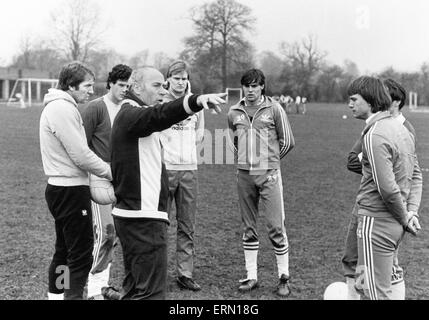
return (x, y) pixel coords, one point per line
(188, 283)
(110, 293)
(283, 289)
(248, 285)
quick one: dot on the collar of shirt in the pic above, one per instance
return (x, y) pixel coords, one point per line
(371, 116)
(255, 106)
(400, 118)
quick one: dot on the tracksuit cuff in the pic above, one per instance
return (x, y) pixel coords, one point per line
(190, 104)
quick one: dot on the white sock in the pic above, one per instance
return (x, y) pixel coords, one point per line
(55, 296)
(352, 294)
(398, 291)
(97, 281)
(283, 264)
(251, 257)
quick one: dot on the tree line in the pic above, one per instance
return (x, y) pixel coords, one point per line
(218, 51)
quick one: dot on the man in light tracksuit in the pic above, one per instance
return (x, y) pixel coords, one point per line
(179, 144)
(67, 160)
(390, 175)
(98, 119)
(261, 136)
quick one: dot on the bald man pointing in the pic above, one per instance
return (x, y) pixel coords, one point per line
(140, 180)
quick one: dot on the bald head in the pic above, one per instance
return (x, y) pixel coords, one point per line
(147, 83)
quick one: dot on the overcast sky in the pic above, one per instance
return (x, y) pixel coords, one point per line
(373, 33)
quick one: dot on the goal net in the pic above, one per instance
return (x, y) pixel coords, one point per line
(27, 92)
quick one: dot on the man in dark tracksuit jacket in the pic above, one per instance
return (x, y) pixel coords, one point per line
(140, 180)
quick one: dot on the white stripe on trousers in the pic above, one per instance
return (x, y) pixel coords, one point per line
(96, 214)
(367, 226)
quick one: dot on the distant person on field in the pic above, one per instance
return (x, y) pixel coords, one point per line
(386, 203)
(98, 119)
(304, 105)
(289, 101)
(179, 143)
(261, 136)
(297, 103)
(67, 160)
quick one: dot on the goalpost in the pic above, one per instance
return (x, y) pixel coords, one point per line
(413, 100)
(27, 91)
(234, 95)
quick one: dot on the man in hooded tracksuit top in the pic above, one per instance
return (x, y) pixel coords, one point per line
(140, 180)
(390, 175)
(261, 136)
(354, 164)
(67, 160)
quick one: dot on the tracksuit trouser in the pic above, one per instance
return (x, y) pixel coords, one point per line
(378, 239)
(104, 242)
(183, 190)
(144, 248)
(262, 194)
(71, 210)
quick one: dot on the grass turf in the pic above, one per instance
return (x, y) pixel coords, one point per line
(318, 191)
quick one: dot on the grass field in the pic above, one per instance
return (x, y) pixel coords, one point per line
(319, 193)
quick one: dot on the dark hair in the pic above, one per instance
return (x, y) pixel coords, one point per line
(396, 91)
(73, 74)
(251, 76)
(119, 72)
(373, 91)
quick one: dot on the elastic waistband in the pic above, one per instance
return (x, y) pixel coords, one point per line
(68, 181)
(149, 214)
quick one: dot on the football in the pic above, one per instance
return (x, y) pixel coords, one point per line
(336, 291)
(102, 190)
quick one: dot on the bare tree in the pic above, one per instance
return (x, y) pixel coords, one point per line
(220, 28)
(139, 59)
(77, 28)
(305, 60)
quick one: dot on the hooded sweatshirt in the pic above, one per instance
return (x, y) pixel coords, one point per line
(66, 156)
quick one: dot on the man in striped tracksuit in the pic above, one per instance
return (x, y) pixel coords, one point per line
(390, 175)
(261, 136)
(98, 119)
(354, 163)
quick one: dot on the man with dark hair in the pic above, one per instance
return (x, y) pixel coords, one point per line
(398, 95)
(67, 160)
(98, 119)
(261, 136)
(179, 143)
(390, 177)
(140, 180)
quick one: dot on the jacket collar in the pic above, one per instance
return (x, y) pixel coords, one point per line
(378, 116)
(132, 96)
(268, 102)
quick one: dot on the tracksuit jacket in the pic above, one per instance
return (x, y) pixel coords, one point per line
(391, 184)
(66, 156)
(139, 177)
(98, 128)
(354, 164)
(260, 143)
